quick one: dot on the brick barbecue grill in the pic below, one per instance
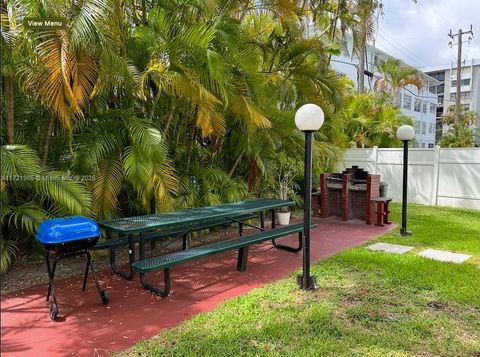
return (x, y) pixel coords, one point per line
(349, 194)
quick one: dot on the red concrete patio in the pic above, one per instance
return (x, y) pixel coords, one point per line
(88, 328)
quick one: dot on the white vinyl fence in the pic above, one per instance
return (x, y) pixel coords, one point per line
(438, 176)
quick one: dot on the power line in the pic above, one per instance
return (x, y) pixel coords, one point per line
(437, 14)
(419, 60)
(416, 63)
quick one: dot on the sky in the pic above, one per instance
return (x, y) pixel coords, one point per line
(417, 33)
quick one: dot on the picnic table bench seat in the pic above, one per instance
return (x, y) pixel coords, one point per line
(165, 262)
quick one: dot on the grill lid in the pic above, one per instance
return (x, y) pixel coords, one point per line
(67, 229)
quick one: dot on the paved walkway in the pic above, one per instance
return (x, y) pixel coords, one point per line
(435, 254)
(88, 328)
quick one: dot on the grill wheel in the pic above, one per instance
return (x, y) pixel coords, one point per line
(53, 311)
(104, 296)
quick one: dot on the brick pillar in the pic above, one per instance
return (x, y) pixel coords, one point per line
(346, 197)
(324, 200)
(373, 191)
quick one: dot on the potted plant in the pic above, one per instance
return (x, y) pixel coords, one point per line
(286, 173)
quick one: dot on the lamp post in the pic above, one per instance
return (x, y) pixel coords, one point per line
(308, 118)
(405, 133)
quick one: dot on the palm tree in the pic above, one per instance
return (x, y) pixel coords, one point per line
(120, 150)
(460, 133)
(363, 30)
(368, 121)
(8, 46)
(62, 70)
(395, 76)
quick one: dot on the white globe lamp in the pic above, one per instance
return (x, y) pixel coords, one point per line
(309, 117)
(405, 132)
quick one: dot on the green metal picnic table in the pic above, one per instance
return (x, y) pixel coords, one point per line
(184, 220)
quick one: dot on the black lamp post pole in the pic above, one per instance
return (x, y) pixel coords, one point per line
(403, 230)
(305, 280)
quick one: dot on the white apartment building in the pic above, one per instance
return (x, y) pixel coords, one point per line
(421, 104)
(447, 89)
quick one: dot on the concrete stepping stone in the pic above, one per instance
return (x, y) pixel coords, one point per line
(444, 256)
(390, 248)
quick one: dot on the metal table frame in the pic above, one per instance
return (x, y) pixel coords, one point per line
(131, 226)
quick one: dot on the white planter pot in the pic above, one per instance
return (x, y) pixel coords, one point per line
(284, 218)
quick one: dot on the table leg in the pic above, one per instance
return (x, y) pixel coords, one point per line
(131, 253)
(160, 292)
(288, 248)
(242, 259)
(142, 247)
(387, 213)
(273, 218)
(186, 241)
(262, 219)
(380, 214)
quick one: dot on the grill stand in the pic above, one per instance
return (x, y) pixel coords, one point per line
(51, 278)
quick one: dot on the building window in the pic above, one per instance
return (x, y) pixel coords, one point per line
(422, 145)
(417, 127)
(440, 100)
(431, 128)
(466, 106)
(398, 99)
(432, 108)
(407, 102)
(424, 107)
(424, 128)
(463, 95)
(430, 145)
(463, 82)
(345, 48)
(439, 76)
(418, 104)
(441, 88)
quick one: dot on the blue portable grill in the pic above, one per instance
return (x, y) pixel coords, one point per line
(64, 237)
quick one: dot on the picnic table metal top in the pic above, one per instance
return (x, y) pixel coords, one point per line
(131, 225)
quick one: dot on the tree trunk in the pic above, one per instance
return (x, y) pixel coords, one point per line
(361, 57)
(144, 11)
(361, 68)
(8, 83)
(235, 164)
(46, 146)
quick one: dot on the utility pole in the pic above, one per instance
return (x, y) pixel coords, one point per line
(459, 67)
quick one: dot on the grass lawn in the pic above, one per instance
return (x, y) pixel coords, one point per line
(368, 303)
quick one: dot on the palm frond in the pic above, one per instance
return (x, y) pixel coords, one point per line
(27, 217)
(72, 196)
(8, 252)
(106, 186)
